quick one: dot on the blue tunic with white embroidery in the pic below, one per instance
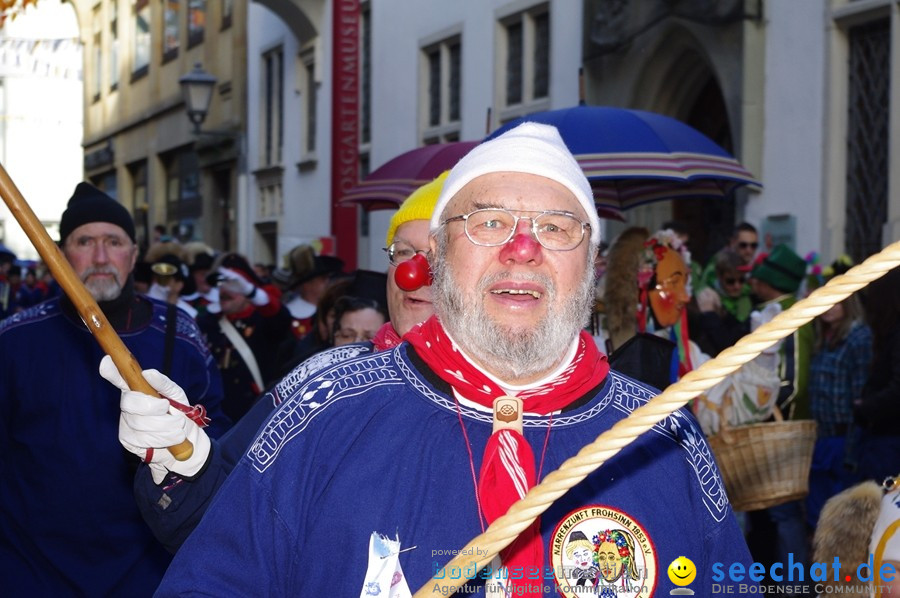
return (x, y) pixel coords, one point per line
(69, 525)
(375, 444)
(174, 508)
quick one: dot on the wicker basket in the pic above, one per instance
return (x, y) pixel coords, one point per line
(765, 464)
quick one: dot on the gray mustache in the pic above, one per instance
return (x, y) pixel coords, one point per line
(100, 270)
(541, 279)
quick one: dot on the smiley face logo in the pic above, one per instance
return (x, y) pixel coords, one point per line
(682, 571)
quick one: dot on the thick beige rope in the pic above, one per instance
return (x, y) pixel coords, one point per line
(504, 530)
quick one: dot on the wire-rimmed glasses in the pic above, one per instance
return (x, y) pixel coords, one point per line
(553, 229)
(398, 252)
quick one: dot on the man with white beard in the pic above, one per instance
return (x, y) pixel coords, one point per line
(399, 458)
(68, 521)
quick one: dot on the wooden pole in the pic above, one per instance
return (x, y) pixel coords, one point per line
(87, 308)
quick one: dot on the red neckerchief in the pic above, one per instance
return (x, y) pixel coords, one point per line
(386, 337)
(507, 468)
(587, 369)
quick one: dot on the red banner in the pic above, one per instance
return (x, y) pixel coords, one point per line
(345, 126)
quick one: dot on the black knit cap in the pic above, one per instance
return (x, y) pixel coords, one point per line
(89, 204)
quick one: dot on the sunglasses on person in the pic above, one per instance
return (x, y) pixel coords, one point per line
(747, 245)
(730, 281)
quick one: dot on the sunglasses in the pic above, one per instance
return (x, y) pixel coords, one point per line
(732, 281)
(746, 245)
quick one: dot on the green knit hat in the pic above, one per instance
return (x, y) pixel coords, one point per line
(783, 269)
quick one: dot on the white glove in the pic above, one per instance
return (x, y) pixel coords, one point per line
(147, 425)
(256, 295)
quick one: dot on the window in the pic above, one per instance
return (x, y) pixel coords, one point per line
(107, 183)
(526, 56)
(514, 63)
(270, 196)
(443, 74)
(273, 106)
(139, 198)
(868, 136)
(170, 29)
(227, 10)
(541, 75)
(196, 21)
(139, 183)
(310, 104)
(141, 38)
(113, 45)
(97, 55)
(434, 88)
(454, 83)
(182, 185)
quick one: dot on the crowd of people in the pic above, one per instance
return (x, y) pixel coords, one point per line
(404, 411)
(839, 370)
(22, 287)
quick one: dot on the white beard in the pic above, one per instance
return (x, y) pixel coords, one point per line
(508, 352)
(102, 289)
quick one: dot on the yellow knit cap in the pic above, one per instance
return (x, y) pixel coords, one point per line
(418, 206)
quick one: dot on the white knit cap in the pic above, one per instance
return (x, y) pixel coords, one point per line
(531, 148)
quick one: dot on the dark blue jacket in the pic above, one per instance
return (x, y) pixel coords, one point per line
(68, 520)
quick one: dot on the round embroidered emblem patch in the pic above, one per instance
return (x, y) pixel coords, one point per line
(601, 551)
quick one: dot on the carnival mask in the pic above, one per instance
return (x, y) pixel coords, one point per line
(670, 295)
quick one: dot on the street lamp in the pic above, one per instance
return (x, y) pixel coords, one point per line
(197, 88)
(213, 148)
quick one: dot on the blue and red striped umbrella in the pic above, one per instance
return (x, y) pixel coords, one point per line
(387, 186)
(633, 157)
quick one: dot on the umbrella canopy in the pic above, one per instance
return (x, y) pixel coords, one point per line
(387, 186)
(632, 157)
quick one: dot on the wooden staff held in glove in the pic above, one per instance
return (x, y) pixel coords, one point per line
(91, 206)
(71, 523)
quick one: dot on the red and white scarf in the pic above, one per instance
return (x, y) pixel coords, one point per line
(386, 337)
(508, 467)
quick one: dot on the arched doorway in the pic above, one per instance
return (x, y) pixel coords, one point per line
(679, 80)
(710, 221)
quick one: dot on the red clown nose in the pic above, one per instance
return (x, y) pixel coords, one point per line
(413, 274)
